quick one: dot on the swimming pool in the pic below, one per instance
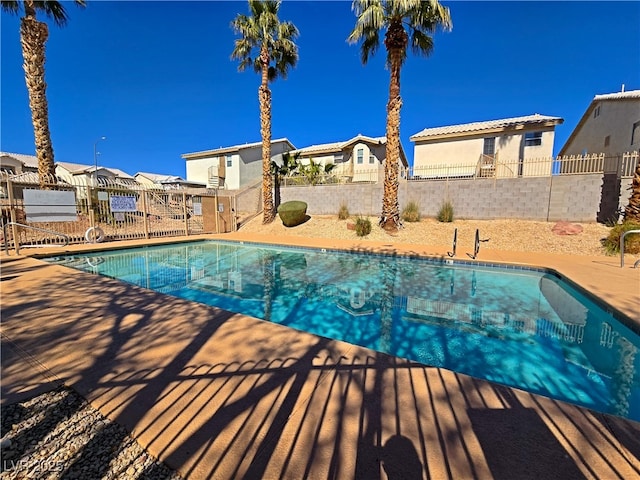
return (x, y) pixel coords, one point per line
(519, 327)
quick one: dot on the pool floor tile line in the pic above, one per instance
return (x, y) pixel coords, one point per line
(218, 395)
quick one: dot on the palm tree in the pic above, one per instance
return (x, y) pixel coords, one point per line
(421, 18)
(33, 36)
(632, 211)
(276, 52)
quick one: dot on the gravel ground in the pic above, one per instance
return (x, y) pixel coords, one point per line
(507, 235)
(58, 435)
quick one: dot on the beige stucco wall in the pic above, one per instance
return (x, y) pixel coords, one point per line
(198, 169)
(459, 157)
(616, 120)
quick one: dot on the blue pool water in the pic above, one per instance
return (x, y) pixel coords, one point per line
(523, 328)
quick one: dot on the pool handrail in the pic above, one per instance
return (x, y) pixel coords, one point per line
(635, 265)
(16, 242)
(455, 242)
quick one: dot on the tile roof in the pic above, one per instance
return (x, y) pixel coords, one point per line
(487, 125)
(27, 160)
(337, 146)
(233, 148)
(76, 167)
(618, 95)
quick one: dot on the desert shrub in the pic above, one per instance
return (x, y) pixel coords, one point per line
(343, 213)
(631, 241)
(292, 213)
(445, 214)
(411, 212)
(363, 226)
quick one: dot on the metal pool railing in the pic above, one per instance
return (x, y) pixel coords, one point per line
(16, 240)
(635, 265)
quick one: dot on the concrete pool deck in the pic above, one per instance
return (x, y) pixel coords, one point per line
(220, 395)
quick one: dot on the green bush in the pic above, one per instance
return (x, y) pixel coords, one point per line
(445, 214)
(411, 212)
(363, 226)
(292, 213)
(343, 213)
(631, 241)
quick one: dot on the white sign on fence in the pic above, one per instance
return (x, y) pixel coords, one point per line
(122, 204)
(197, 208)
(50, 206)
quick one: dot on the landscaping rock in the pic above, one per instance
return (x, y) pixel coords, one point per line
(566, 228)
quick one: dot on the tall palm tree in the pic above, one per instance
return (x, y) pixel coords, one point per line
(395, 17)
(632, 211)
(275, 52)
(33, 36)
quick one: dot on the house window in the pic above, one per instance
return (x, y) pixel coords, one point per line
(635, 133)
(360, 156)
(372, 159)
(596, 112)
(607, 140)
(489, 147)
(532, 139)
(229, 160)
(337, 158)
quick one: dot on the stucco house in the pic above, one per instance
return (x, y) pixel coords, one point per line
(166, 182)
(507, 147)
(78, 174)
(359, 159)
(17, 163)
(610, 125)
(232, 167)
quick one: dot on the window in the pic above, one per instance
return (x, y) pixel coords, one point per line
(337, 158)
(532, 139)
(635, 133)
(596, 112)
(489, 147)
(607, 140)
(360, 158)
(229, 160)
(372, 159)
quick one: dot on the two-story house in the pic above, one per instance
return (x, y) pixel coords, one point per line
(610, 125)
(17, 163)
(506, 147)
(359, 159)
(232, 167)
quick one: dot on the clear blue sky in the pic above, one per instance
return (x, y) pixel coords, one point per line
(156, 78)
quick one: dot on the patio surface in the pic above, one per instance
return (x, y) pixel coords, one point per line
(220, 395)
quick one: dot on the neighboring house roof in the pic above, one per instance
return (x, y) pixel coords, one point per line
(27, 160)
(118, 173)
(232, 149)
(630, 95)
(76, 168)
(334, 147)
(168, 179)
(486, 127)
(339, 146)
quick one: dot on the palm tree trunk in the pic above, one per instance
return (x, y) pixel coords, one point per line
(33, 36)
(632, 211)
(264, 95)
(390, 219)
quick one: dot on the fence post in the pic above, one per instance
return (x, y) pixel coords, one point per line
(12, 215)
(184, 213)
(145, 220)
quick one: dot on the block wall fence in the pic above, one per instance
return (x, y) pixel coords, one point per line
(575, 198)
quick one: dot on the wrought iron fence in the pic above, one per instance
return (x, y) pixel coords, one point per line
(109, 211)
(624, 165)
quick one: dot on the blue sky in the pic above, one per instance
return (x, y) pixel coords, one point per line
(156, 78)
